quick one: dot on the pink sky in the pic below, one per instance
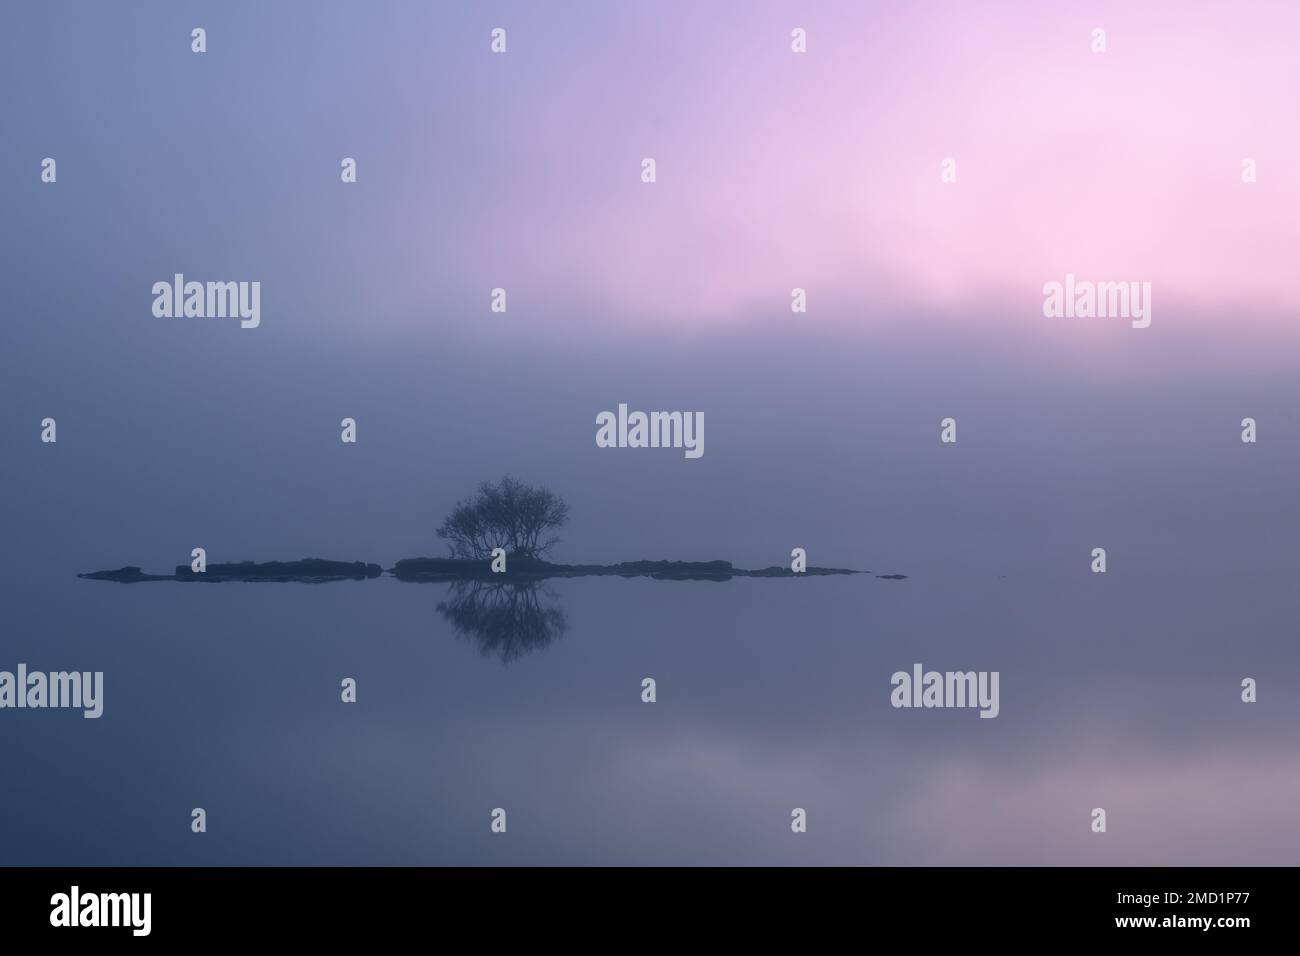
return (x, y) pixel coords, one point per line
(821, 170)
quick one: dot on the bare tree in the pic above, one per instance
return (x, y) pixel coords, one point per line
(509, 515)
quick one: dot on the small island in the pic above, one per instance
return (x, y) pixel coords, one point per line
(321, 571)
(307, 571)
(457, 569)
(508, 518)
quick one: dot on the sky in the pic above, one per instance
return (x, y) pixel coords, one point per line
(522, 171)
(774, 169)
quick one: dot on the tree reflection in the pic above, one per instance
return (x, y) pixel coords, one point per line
(506, 619)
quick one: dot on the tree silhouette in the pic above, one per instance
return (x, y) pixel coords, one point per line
(509, 515)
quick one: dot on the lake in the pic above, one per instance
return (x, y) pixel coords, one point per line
(771, 695)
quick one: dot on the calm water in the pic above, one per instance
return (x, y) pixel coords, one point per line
(771, 695)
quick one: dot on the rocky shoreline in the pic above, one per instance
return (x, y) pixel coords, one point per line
(320, 571)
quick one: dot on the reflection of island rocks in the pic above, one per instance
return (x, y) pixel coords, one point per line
(506, 619)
